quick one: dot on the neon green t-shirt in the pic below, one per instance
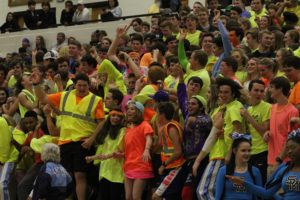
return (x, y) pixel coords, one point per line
(20, 137)
(171, 82)
(211, 62)
(193, 38)
(241, 75)
(12, 81)
(254, 15)
(5, 141)
(295, 10)
(297, 52)
(114, 76)
(218, 151)
(261, 113)
(111, 169)
(201, 73)
(145, 94)
(231, 115)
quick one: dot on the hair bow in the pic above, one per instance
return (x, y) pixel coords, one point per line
(237, 135)
(294, 134)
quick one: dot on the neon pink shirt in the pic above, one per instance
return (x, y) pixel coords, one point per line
(279, 128)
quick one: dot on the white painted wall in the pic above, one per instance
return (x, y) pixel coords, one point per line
(129, 7)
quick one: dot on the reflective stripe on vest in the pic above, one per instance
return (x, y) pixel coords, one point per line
(86, 117)
(166, 149)
(29, 95)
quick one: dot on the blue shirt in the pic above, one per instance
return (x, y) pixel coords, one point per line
(290, 184)
(225, 189)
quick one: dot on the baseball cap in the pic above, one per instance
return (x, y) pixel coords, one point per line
(51, 55)
(137, 105)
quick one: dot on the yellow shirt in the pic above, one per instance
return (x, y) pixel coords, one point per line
(193, 38)
(171, 82)
(241, 75)
(261, 113)
(231, 115)
(5, 141)
(297, 52)
(295, 10)
(218, 151)
(201, 73)
(111, 169)
(262, 13)
(211, 62)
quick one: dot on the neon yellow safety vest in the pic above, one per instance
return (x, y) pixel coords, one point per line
(78, 121)
(30, 97)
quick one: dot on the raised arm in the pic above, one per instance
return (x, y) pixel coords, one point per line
(112, 51)
(36, 79)
(183, 60)
(182, 94)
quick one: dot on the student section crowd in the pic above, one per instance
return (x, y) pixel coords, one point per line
(199, 104)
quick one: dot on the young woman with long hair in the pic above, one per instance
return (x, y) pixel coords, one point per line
(238, 166)
(111, 175)
(287, 176)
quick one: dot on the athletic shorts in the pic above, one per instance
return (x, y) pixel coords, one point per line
(73, 157)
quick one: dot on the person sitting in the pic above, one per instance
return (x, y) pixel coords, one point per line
(81, 14)
(114, 11)
(47, 17)
(67, 14)
(31, 18)
(10, 25)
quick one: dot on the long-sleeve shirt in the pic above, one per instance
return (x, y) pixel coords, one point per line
(194, 136)
(227, 48)
(52, 182)
(114, 76)
(48, 19)
(82, 16)
(66, 17)
(225, 189)
(31, 19)
(290, 183)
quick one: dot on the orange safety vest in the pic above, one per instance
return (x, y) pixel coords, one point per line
(168, 148)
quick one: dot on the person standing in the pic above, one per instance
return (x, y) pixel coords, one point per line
(81, 119)
(31, 18)
(257, 117)
(238, 166)
(281, 114)
(81, 14)
(291, 68)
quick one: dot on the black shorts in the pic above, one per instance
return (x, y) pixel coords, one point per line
(73, 157)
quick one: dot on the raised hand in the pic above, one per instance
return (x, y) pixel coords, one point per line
(182, 34)
(36, 77)
(93, 52)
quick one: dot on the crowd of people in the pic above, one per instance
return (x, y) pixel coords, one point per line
(70, 15)
(199, 104)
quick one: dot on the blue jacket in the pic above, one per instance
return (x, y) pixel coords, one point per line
(52, 183)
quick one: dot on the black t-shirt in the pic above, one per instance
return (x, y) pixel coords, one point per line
(258, 54)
